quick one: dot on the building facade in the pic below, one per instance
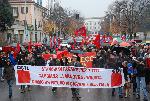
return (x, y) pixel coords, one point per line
(28, 24)
(93, 25)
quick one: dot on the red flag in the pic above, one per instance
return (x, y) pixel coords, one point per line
(96, 42)
(61, 53)
(76, 32)
(82, 43)
(82, 31)
(29, 47)
(17, 50)
(46, 56)
(18, 47)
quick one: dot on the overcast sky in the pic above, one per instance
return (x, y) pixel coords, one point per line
(88, 8)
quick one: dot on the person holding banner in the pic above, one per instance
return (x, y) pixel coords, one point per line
(39, 61)
(54, 62)
(76, 63)
(20, 61)
(23, 59)
(9, 75)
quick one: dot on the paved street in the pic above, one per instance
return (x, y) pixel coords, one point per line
(39, 93)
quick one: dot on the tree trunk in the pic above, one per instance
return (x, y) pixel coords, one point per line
(2, 39)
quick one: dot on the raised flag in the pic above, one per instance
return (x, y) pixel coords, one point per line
(18, 47)
(82, 31)
(76, 32)
(96, 42)
(82, 43)
(29, 47)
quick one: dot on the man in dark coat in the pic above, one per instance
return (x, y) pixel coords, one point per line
(3, 63)
(39, 61)
(9, 76)
(140, 79)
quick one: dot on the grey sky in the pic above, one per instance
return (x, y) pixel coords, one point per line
(88, 8)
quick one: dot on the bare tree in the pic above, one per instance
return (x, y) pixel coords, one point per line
(126, 15)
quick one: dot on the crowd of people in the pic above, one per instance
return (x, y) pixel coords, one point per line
(133, 63)
(135, 66)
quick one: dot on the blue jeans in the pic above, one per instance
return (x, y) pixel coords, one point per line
(141, 86)
(1, 71)
(120, 91)
(10, 83)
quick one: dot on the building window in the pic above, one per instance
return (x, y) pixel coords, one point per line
(15, 11)
(23, 10)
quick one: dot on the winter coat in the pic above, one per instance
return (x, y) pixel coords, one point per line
(140, 70)
(9, 73)
(3, 61)
(20, 59)
(54, 62)
(39, 61)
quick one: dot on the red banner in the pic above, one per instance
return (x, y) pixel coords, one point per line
(87, 58)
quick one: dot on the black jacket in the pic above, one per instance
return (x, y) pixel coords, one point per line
(3, 61)
(39, 61)
(140, 70)
(9, 73)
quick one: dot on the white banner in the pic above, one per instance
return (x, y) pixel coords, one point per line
(72, 77)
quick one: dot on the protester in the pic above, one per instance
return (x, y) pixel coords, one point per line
(39, 61)
(3, 59)
(134, 70)
(54, 62)
(76, 63)
(140, 79)
(9, 76)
